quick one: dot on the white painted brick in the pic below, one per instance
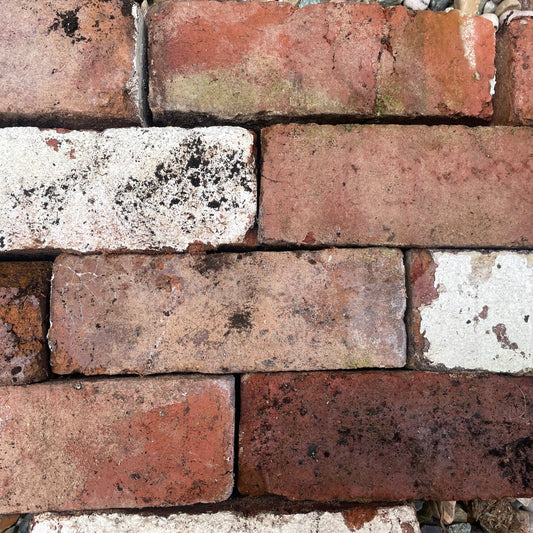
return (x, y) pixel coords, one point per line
(386, 520)
(479, 314)
(135, 189)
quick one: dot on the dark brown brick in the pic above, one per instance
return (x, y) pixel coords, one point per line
(386, 436)
(24, 293)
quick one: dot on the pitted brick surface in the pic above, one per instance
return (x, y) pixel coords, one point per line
(261, 61)
(134, 189)
(228, 312)
(397, 186)
(24, 294)
(69, 63)
(117, 443)
(386, 436)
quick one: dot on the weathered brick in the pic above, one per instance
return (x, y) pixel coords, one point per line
(362, 518)
(228, 312)
(24, 293)
(116, 443)
(386, 436)
(69, 63)
(134, 189)
(397, 186)
(257, 61)
(513, 99)
(471, 310)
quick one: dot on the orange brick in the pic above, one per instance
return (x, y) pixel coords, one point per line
(132, 442)
(260, 61)
(24, 293)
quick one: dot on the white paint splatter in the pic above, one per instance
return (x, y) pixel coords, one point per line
(468, 37)
(483, 316)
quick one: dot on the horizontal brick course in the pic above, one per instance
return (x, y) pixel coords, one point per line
(121, 443)
(134, 189)
(471, 310)
(513, 99)
(385, 436)
(24, 294)
(228, 312)
(69, 63)
(255, 62)
(397, 186)
(398, 519)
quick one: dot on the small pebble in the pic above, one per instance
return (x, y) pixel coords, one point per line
(490, 7)
(460, 528)
(493, 18)
(514, 14)
(418, 505)
(468, 7)
(427, 528)
(507, 5)
(389, 3)
(418, 5)
(303, 3)
(460, 514)
(438, 5)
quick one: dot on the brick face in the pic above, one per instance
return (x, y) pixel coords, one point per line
(228, 312)
(249, 62)
(116, 443)
(470, 310)
(125, 189)
(24, 293)
(68, 63)
(397, 186)
(385, 436)
(513, 100)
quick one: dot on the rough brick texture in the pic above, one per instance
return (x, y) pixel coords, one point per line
(362, 518)
(228, 312)
(248, 62)
(68, 63)
(24, 293)
(386, 436)
(116, 443)
(132, 189)
(397, 185)
(513, 100)
(471, 310)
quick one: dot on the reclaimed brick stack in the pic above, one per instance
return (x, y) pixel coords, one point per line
(280, 259)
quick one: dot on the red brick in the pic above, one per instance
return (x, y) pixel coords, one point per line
(397, 185)
(255, 61)
(228, 312)
(68, 63)
(129, 442)
(24, 293)
(386, 436)
(513, 99)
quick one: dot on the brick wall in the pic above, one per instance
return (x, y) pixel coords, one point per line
(280, 261)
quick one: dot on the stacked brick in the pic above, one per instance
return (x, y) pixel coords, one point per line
(347, 317)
